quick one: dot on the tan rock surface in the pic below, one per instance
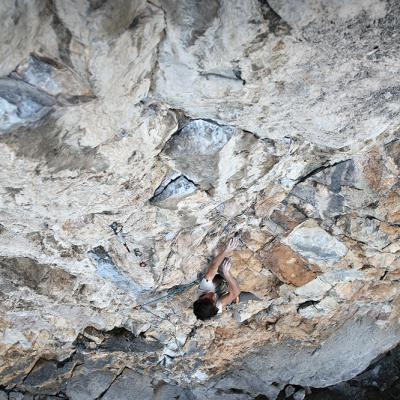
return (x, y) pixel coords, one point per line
(288, 266)
(180, 125)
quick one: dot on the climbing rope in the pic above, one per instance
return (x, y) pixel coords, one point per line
(174, 291)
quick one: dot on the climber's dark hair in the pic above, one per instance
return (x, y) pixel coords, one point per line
(204, 308)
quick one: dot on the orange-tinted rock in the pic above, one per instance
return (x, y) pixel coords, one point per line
(261, 285)
(287, 265)
(372, 168)
(391, 204)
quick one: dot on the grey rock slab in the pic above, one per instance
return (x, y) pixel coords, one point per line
(21, 103)
(15, 396)
(199, 137)
(248, 381)
(343, 173)
(289, 390)
(315, 244)
(88, 384)
(314, 290)
(367, 230)
(323, 190)
(206, 394)
(43, 377)
(128, 386)
(3, 395)
(45, 141)
(393, 149)
(317, 288)
(193, 150)
(299, 395)
(326, 203)
(342, 356)
(45, 279)
(51, 76)
(167, 392)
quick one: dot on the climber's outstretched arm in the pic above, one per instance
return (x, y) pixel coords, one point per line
(213, 268)
(233, 286)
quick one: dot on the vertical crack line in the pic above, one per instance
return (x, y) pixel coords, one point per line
(156, 65)
(112, 382)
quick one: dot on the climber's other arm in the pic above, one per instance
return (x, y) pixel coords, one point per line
(213, 268)
(233, 286)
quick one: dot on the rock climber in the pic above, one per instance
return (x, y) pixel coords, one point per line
(212, 299)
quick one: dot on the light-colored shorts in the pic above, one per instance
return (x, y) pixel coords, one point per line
(208, 287)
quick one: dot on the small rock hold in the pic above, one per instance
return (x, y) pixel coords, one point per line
(289, 390)
(174, 191)
(299, 395)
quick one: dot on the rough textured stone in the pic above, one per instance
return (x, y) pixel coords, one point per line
(279, 63)
(184, 123)
(21, 103)
(330, 362)
(379, 381)
(15, 396)
(52, 77)
(86, 384)
(194, 150)
(316, 244)
(166, 392)
(168, 195)
(129, 384)
(288, 266)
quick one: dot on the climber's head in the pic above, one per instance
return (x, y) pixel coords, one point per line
(206, 306)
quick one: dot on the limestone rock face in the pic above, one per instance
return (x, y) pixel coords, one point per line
(194, 150)
(137, 137)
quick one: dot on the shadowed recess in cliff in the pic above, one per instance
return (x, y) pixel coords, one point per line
(276, 24)
(116, 339)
